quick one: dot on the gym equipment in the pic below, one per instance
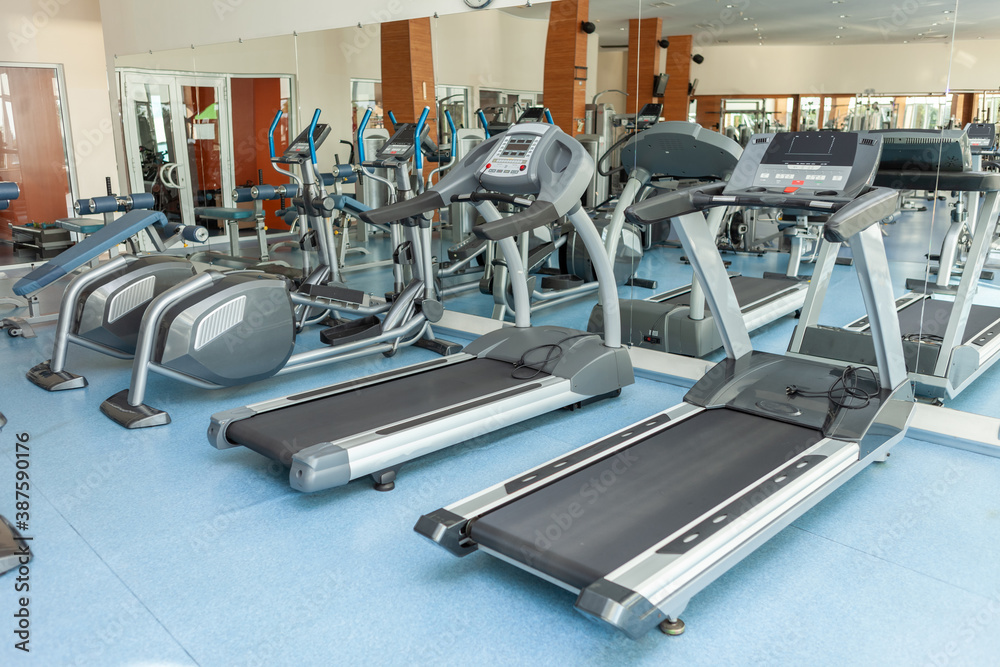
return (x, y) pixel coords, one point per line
(139, 227)
(948, 340)
(981, 140)
(504, 377)
(639, 522)
(676, 321)
(220, 329)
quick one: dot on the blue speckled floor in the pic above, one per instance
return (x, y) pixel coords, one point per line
(153, 548)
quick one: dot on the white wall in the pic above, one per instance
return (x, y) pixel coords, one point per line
(135, 26)
(612, 69)
(888, 68)
(491, 49)
(69, 33)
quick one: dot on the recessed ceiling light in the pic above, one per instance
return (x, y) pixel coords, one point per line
(621, 28)
(947, 11)
(905, 41)
(838, 36)
(844, 16)
(840, 27)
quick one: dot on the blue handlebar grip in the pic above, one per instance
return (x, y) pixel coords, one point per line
(82, 207)
(9, 190)
(4, 204)
(548, 116)
(361, 131)
(142, 200)
(454, 132)
(482, 121)
(418, 154)
(242, 195)
(270, 133)
(312, 128)
(392, 119)
(104, 204)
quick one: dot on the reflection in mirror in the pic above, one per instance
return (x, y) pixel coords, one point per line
(37, 170)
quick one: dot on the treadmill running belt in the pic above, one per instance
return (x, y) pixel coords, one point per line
(279, 434)
(748, 290)
(933, 320)
(583, 526)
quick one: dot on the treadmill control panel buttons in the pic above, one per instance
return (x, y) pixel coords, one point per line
(512, 155)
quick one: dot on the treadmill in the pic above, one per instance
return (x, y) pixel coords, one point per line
(639, 522)
(675, 321)
(948, 340)
(372, 425)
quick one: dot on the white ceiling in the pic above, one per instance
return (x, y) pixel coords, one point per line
(797, 21)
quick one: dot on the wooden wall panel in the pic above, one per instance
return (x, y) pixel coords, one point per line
(675, 101)
(644, 62)
(255, 101)
(408, 71)
(565, 85)
(36, 161)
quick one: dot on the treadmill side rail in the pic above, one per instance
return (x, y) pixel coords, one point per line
(655, 585)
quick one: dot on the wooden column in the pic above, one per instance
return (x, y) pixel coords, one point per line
(675, 101)
(644, 62)
(709, 112)
(408, 71)
(565, 79)
(963, 108)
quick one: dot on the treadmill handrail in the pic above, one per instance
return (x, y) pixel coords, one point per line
(538, 214)
(671, 204)
(860, 214)
(959, 181)
(430, 200)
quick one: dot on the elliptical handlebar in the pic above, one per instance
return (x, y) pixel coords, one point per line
(482, 121)
(418, 157)
(312, 144)
(270, 133)
(361, 131)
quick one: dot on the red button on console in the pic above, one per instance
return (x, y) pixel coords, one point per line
(790, 190)
(522, 167)
(798, 182)
(488, 165)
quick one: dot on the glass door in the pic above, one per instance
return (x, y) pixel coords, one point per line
(176, 128)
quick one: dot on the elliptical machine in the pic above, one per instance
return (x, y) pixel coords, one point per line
(219, 329)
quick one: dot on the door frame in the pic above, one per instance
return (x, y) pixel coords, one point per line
(176, 79)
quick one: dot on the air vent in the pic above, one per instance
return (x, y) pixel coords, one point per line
(868, 142)
(131, 298)
(219, 321)
(761, 140)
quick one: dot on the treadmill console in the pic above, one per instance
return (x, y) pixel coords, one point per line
(835, 167)
(925, 150)
(510, 163)
(532, 115)
(401, 144)
(982, 136)
(648, 116)
(298, 151)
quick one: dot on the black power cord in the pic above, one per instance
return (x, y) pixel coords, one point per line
(555, 351)
(847, 391)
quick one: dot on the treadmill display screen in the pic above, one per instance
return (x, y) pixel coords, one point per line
(819, 161)
(820, 148)
(517, 147)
